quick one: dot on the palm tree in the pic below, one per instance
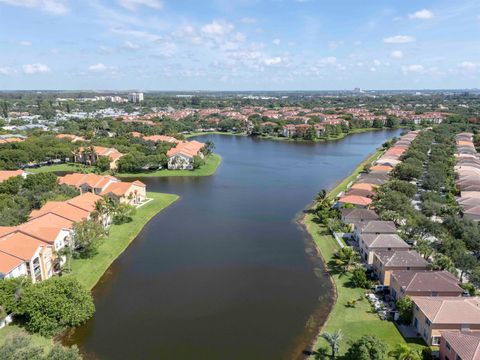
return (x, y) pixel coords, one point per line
(322, 197)
(103, 207)
(346, 258)
(405, 352)
(333, 340)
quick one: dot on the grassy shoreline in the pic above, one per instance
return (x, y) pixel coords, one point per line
(278, 138)
(208, 169)
(90, 271)
(358, 321)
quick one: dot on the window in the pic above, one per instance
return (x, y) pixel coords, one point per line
(427, 322)
(408, 267)
(435, 340)
(447, 345)
(458, 357)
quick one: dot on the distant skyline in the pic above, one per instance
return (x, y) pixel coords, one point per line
(183, 45)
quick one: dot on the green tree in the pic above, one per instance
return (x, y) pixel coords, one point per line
(405, 310)
(87, 236)
(359, 278)
(333, 340)
(368, 347)
(51, 305)
(405, 352)
(103, 163)
(346, 259)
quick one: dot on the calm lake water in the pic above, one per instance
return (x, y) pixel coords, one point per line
(226, 273)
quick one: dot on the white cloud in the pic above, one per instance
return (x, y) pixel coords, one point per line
(423, 14)
(273, 61)
(330, 60)
(144, 35)
(5, 70)
(130, 45)
(218, 28)
(135, 4)
(57, 7)
(98, 67)
(276, 41)
(25, 43)
(373, 69)
(399, 39)
(396, 54)
(35, 69)
(468, 66)
(377, 62)
(415, 68)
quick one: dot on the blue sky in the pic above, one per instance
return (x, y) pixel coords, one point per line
(239, 44)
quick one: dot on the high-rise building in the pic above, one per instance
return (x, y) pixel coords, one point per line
(135, 97)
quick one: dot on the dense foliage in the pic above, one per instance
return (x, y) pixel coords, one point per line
(19, 196)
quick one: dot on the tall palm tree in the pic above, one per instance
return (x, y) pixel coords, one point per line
(333, 340)
(405, 352)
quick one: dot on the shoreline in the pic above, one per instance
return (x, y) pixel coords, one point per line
(90, 271)
(294, 140)
(359, 320)
(307, 224)
(209, 168)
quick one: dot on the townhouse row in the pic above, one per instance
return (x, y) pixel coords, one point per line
(442, 315)
(180, 156)
(33, 249)
(467, 171)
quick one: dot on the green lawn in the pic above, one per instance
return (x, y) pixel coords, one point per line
(12, 330)
(209, 168)
(358, 321)
(89, 271)
(211, 164)
(70, 167)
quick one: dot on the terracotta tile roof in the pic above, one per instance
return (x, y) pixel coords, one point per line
(408, 258)
(8, 262)
(92, 180)
(432, 281)
(63, 209)
(7, 174)
(20, 245)
(355, 200)
(85, 201)
(450, 310)
(45, 227)
(466, 344)
(363, 186)
(157, 138)
(188, 148)
(112, 153)
(381, 168)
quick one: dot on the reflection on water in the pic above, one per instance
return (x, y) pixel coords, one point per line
(225, 272)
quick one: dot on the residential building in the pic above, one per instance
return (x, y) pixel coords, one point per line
(132, 193)
(460, 345)
(181, 157)
(433, 315)
(135, 97)
(358, 215)
(424, 283)
(375, 227)
(371, 243)
(90, 155)
(7, 174)
(386, 262)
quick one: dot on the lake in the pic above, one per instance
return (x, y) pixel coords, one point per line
(226, 272)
